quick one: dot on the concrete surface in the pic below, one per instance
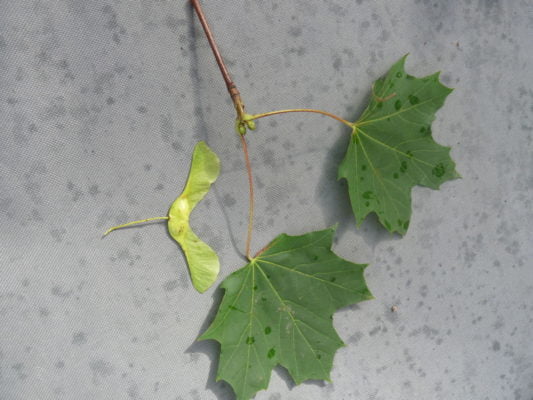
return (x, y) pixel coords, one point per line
(101, 103)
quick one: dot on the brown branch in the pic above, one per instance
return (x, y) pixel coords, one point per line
(239, 108)
(232, 88)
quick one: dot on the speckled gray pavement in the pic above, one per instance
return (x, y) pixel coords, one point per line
(101, 103)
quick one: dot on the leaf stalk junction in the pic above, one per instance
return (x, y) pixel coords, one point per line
(245, 121)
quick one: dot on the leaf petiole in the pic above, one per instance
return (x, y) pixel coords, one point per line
(294, 110)
(251, 196)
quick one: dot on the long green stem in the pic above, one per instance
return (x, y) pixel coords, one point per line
(308, 110)
(133, 223)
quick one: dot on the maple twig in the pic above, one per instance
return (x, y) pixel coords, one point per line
(232, 88)
(309, 110)
(251, 198)
(239, 108)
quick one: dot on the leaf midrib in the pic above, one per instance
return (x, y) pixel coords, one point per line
(294, 322)
(380, 180)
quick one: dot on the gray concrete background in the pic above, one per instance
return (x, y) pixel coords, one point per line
(101, 103)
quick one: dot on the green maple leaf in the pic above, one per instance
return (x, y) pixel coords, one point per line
(278, 310)
(391, 148)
